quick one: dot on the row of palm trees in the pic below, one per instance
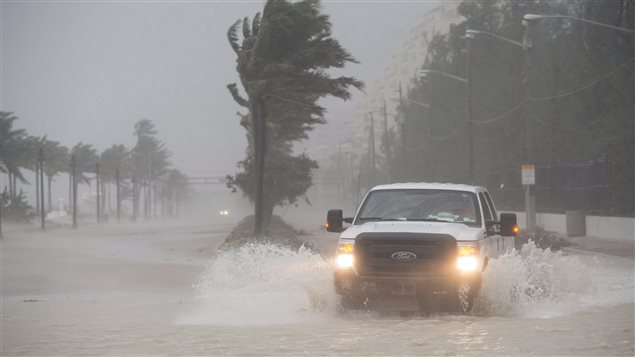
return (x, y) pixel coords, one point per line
(142, 174)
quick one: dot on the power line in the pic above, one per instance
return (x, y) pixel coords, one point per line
(499, 117)
(590, 84)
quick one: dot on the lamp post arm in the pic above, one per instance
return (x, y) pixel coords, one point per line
(418, 103)
(505, 39)
(460, 79)
(531, 17)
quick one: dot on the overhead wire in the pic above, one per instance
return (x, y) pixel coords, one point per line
(590, 84)
(501, 116)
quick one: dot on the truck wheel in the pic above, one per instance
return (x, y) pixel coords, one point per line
(350, 302)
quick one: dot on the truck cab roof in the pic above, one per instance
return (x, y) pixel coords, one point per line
(430, 186)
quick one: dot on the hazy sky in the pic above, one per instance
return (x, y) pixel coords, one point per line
(87, 71)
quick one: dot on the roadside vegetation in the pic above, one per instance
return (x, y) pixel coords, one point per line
(144, 172)
(542, 238)
(277, 232)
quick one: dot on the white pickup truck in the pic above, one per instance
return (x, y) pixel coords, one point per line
(418, 246)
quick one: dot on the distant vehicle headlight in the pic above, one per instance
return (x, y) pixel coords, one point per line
(224, 213)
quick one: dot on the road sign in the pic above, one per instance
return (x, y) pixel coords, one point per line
(528, 173)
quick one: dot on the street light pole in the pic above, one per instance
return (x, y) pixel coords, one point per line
(41, 173)
(371, 143)
(468, 108)
(530, 206)
(387, 142)
(530, 197)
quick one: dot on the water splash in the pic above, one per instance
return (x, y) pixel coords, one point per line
(533, 281)
(263, 284)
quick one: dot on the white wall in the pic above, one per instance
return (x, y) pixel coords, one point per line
(619, 228)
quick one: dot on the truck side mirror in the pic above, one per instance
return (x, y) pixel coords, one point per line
(508, 224)
(334, 219)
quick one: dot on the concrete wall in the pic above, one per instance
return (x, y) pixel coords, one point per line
(619, 228)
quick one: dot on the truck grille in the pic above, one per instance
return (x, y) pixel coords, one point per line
(378, 254)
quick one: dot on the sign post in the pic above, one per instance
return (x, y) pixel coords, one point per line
(528, 174)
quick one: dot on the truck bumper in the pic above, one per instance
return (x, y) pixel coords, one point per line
(400, 290)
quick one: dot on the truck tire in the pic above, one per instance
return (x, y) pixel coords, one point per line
(350, 302)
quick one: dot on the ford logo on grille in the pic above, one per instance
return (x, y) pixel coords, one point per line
(403, 256)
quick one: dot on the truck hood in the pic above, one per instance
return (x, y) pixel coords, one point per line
(459, 231)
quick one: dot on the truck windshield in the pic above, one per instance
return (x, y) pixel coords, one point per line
(420, 205)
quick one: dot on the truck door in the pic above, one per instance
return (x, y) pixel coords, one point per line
(507, 242)
(493, 240)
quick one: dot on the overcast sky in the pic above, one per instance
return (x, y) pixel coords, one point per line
(87, 71)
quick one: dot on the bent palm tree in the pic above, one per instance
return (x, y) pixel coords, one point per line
(282, 62)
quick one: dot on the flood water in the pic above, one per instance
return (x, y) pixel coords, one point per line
(176, 298)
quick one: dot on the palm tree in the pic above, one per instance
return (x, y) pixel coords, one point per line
(11, 151)
(85, 159)
(175, 192)
(115, 159)
(282, 62)
(56, 161)
(149, 159)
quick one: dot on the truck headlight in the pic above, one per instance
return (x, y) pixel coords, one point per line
(345, 256)
(467, 264)
(468, 258)
(345, 260)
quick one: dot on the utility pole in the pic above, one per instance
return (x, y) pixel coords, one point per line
(134, 199)
(340, 185)
(403, 137)
(117, 178)
(371, 143)
(468, 109)
(41, 164)
(387, 143)
(74, 190)
(37, 185)
(530, 199)
(97, 188)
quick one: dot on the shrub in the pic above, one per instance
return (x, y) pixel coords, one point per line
(542, 238)
(278, 233)
(16, 209)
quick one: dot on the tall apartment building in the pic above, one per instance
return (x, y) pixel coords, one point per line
(402, 70)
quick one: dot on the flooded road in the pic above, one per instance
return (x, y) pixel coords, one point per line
(163, 291)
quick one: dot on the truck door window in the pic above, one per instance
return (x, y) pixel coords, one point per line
(491, 205)
(486, 210)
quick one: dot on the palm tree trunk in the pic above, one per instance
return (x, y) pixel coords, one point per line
(260, 147)
(10, 185)
(70, 191)
(49, 193)
(37, 188)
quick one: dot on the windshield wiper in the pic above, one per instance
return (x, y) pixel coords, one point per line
(381, 219)
(431, 220)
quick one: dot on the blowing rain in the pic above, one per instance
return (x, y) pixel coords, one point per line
(317, 178)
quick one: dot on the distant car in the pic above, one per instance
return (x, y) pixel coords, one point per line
(413, 246)
(224, 212)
